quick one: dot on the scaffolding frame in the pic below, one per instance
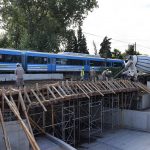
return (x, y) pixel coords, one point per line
(73, 110)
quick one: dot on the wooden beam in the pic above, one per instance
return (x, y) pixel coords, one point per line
(57, 91)
(20, 121)
(51, 92)
(6, 139)
(83, 91)
(38, 99)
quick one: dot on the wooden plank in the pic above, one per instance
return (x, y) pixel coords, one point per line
(38, 99)
(25, 111)
(109, 87)
(51, 92)
(36, 125)
(57, 92)
(83, 91)
(87, 88)
(20, 121)
(39, 92)
(62, 91)
(6, 139)
(26, 94)
(93, 85)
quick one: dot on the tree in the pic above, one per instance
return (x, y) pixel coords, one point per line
(105, 48)
(72, 45)
(82, 46)
(95, 48)
(42, 24)
(4, 42)
(131, 50)
(117, 54)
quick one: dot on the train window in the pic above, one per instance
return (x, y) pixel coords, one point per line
(10, 58)
(37, 60)
(97, 63)
(117, 64)
(62, 61)
(108, 64)
(75, 62)
(53, 60)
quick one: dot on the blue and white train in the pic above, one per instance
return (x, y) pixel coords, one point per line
(39, 62)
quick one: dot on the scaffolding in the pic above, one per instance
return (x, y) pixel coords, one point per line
(72, 111)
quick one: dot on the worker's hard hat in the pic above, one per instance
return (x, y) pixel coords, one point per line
(17, 64)
(107, 69)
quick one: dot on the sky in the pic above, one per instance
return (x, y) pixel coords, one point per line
(125, 21)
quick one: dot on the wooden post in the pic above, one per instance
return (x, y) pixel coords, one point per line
(22, 124)
(25, 111)
(6, 139)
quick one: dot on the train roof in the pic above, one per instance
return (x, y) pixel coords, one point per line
(79, 54)
(62, 54)
(8, 51)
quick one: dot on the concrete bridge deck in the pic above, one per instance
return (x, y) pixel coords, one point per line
(122, 139)
(48, 142)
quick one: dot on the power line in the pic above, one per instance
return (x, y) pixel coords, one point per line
(115, 39)
(103, 37)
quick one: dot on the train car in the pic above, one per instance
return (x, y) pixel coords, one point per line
(9, 58)
(115, 65)
(67, 63)
(36, 62)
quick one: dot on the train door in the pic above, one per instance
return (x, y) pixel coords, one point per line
(24, 61)
(87, 65)
(52, 64)
(87, 69)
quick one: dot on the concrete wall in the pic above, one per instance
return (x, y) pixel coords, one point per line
(16, 136)
(12, 77)
(138, 120)
(144, 102)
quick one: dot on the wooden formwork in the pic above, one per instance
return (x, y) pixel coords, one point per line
(72, 96)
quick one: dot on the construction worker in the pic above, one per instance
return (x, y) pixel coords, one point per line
(92, 74)
(106, 74)
(131, 71)
(19, 72)
(82, 74)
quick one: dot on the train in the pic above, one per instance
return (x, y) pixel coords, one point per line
(67, 62)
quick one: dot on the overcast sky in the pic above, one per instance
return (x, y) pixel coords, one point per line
(125, 21)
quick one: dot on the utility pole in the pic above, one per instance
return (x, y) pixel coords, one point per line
(135, 47)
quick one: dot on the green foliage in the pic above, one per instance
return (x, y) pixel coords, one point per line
(4, 42)
(105, 48)
(82, 46)
(72, 45)
(42, 24)
(76, 44)
(117, 54)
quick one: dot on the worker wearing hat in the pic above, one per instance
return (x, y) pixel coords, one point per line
(105, 74)
(19, 72)
(92, 74)
(82, 74)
